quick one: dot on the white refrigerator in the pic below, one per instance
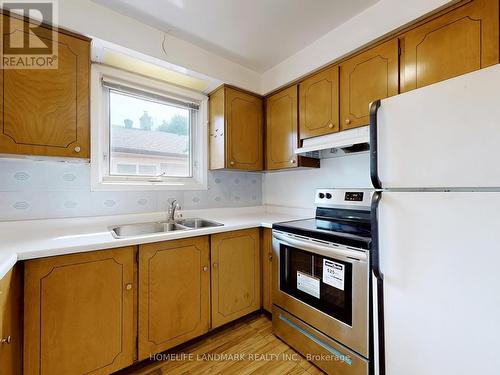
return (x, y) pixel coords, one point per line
(435, 162)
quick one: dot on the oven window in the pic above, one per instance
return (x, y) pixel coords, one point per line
(303, 277)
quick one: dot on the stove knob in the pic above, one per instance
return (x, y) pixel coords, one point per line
(328, 196)
(321, 195)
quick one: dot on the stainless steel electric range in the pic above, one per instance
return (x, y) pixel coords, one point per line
(321, 282)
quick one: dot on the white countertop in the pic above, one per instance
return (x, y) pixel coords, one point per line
(21, 240)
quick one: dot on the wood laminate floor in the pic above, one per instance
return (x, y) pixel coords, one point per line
(246, 347)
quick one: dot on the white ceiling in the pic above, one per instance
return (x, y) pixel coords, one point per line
(257, 34)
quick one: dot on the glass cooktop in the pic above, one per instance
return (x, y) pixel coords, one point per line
(346, 227)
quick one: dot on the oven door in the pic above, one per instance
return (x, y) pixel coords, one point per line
(325, 285)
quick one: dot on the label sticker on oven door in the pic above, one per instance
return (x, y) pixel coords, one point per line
(308, 284)
(333, 274)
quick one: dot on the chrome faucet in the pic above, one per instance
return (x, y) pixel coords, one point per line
(172, 207)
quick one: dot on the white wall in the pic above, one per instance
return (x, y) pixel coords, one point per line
(376, 21)
(296, 188)
(91, 19)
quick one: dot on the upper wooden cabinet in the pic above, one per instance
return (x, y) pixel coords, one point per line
(46, 111)
(366, 77)
(235, 275)
(174, 293)
(459, 41)
(79, 313)
(236, 130)
(319, 104)
(282, 132)
(281, 129)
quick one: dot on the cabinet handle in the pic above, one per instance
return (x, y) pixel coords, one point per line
(128, 286)
(205, 268)
(347, 121)
(330, 125)
(292, 161)
(6, 340)
(270, 257)
(77, 149)
(216, 265)
(231, 162)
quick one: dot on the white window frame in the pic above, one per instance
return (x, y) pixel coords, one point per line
(101, 180)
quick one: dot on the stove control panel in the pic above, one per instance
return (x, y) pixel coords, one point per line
(347, 198)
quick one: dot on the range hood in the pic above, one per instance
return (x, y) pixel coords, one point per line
(351, 141)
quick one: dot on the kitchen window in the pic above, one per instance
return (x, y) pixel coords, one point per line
(146, 135)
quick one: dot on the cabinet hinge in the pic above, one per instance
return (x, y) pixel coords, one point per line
(137, 256)
(399, 50)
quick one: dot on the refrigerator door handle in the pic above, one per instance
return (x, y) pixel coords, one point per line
(375, 266)
(374, 106)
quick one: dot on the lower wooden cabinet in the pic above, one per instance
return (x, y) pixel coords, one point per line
(11, 322)
(174, 293)
(267, 261)
(79, 313)
(235, 275)
(83, 313)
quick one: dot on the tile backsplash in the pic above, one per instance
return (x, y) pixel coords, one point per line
(32, 189)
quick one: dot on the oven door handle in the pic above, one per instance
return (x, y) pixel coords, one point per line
(320, 249)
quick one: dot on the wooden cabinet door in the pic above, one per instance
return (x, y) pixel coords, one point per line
(46, 111)
(319, 104)
(11, 322)
(235, 275)
(460, 41)
(244, 130)
(281, 129)
(267, 259)
(217, 126)
(79, 313)
(371, 75)
(174, 293)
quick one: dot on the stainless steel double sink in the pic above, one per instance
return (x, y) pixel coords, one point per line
(144, 229)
